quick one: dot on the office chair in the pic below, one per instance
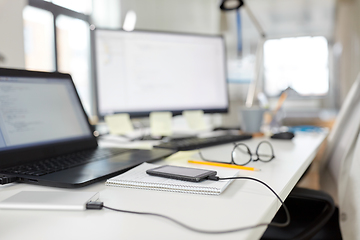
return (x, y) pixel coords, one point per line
(310, 212)
(313, 213)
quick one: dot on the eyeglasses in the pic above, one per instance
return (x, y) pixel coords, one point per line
(241, 154)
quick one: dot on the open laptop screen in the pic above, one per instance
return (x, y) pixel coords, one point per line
(37, 111)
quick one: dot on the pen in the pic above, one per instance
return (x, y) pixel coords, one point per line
(224, 165)
(280, 102)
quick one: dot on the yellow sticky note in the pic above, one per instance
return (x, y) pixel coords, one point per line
(195, 119)
(161, 123)
(119, 124)
(182, 155)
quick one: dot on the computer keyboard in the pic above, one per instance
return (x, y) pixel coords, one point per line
(64, 162)
(196, 143)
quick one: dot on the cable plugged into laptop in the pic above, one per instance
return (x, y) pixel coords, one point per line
(5, 180)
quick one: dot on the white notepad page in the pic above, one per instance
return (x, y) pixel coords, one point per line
(138, 178)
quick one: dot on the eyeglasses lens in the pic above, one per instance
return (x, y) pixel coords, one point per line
(241, 155)
(265, 151)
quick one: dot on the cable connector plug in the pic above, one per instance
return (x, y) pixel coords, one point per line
(5, 180)
(213, 178)
(94, 205)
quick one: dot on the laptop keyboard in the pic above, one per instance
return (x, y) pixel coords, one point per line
(64, 162)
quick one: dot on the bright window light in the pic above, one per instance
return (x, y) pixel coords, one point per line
(38, 39)
(73, 37)
(300, 63)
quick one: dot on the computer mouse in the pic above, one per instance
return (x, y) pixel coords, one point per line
(283, 135)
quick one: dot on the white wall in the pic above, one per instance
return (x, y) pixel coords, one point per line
(195, 16)
(106, 14)
(347, 40)
(189, 16)
(11, 30)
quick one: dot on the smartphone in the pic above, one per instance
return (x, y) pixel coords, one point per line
(181, 173)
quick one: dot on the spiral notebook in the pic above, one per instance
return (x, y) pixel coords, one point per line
(138, 178)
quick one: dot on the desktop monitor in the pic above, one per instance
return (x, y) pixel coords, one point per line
(141, 72)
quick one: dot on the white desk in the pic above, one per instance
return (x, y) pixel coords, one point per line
(243, 203)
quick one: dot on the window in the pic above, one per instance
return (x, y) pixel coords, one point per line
(300, 63)
(73, 42)
(57, 38)
(39, 39)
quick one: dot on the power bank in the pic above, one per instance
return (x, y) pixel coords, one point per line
(45, 200)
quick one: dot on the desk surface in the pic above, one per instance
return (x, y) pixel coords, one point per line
(243, 203)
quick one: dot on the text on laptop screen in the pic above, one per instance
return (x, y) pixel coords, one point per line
(35, 111)
(141, 72)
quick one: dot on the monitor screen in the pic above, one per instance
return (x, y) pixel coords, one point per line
(140, 72)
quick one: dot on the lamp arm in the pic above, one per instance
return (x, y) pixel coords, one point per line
(259, 57)
(255, 21)
(259, 52)
(257, 74)
(2, 58)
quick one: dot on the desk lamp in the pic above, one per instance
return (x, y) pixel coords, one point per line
(229, 5)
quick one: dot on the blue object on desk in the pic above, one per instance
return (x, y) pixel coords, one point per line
(305, 128)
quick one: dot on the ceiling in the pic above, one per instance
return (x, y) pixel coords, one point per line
(281, 18)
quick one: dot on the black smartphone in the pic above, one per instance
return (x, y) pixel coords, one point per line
(181, 173)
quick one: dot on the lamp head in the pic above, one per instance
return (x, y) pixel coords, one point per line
(228, 5)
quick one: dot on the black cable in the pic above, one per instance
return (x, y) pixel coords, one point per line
(272, 190)
(206, 231)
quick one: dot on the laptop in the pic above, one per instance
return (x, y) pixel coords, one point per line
(46, 138)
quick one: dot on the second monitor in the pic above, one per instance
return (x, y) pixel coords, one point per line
(140, 72)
